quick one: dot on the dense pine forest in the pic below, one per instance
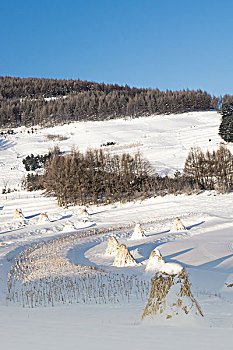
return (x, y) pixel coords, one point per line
(48, 102)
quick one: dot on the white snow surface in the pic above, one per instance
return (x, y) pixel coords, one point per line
(171, 268)
(204, 249)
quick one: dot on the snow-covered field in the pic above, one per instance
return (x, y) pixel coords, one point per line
(70, 246)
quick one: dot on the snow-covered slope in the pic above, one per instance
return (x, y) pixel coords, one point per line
(67, 251)
(163, 140)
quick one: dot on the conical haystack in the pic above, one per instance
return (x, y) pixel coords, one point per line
(83, 214)
(43, 217)
(18, 214)
(68, 227)
(1, 244)
(178, 225)
(138, 232)
(123, 257)
(171, 297)
(155, 261)
(113, 246)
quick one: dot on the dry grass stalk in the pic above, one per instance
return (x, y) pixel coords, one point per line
(42, 275)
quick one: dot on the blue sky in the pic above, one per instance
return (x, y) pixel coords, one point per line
(172, 44)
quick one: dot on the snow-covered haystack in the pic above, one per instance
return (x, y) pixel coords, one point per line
(123, 257)
(83, 212)
(113, 246)
(18, 214)
(138, 232)
(43, 218)
(84, 215)
(68, 227)
(155, 261)
(178, 225)
(171, 297)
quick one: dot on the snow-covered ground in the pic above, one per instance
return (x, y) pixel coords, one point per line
(204, 248)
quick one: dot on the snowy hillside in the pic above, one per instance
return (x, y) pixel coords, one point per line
(164, 140)
(58, 286)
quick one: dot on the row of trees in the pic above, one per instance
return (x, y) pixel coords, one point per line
(210, 170)
(97, 177)
(47, 102)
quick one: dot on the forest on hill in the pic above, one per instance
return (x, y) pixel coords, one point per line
(49, 102)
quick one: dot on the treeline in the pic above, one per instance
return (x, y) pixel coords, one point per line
(48, 102)
(210, 170)
(97, 177)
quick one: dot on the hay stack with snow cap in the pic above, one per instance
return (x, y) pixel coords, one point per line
(138, 232)
(43, 217)
(113, 246)
(155, 261)
(178, 225)
(123, 257)
(171, 297)
(68, 227)
(83, 214)
(19, 214)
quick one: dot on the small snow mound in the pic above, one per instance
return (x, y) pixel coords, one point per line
(43, 217)
(155, 261)
(18, 214)
(113, 246)
(123, 257)
(178, 225)
(138, 232)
